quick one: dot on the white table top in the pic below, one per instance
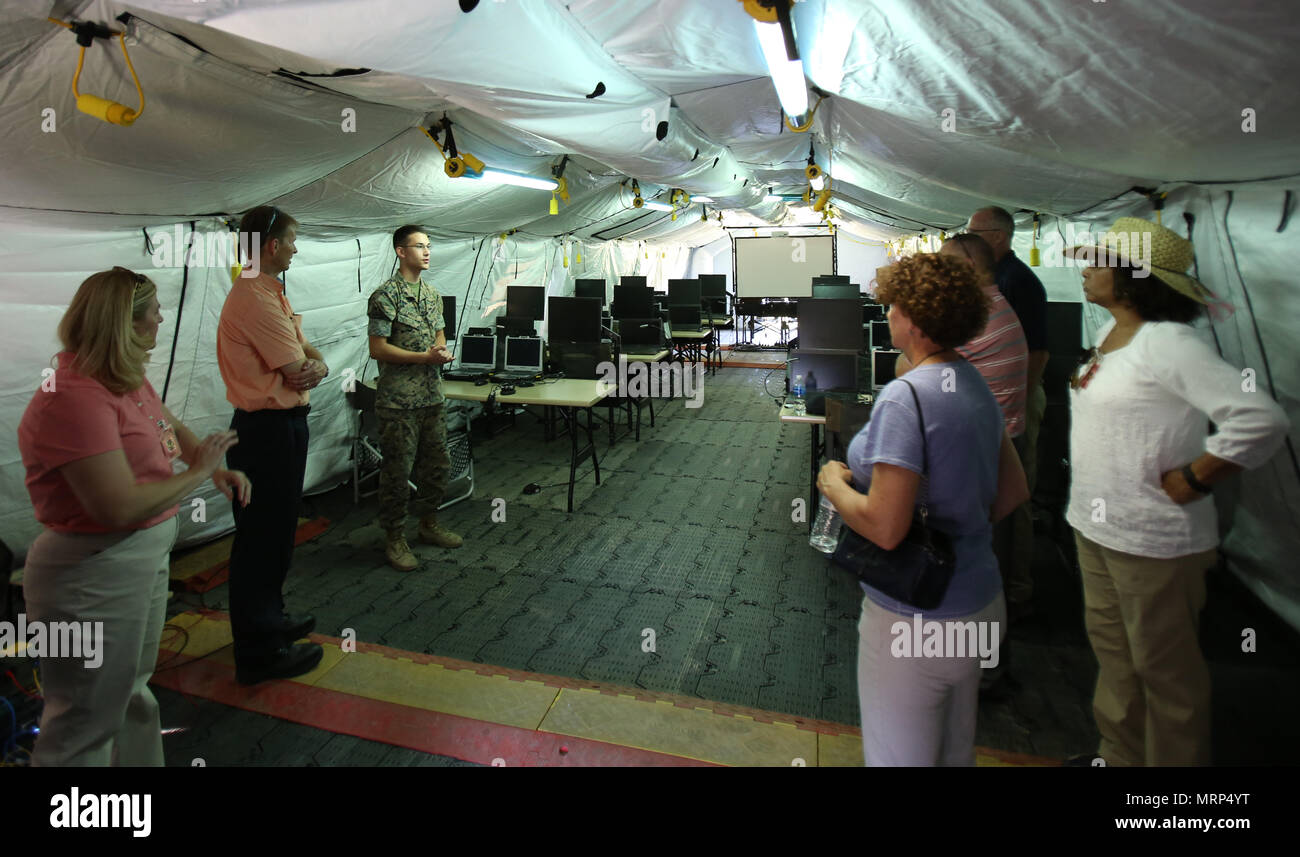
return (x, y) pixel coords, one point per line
(562, 392)
(788, 416)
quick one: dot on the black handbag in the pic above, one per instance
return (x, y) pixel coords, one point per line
(919, 569)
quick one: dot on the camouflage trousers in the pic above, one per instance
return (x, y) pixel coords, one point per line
(413, 442)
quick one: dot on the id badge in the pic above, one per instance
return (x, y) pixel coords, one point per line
(170, 444)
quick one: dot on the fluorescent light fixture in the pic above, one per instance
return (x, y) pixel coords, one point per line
(701, 199)
(818, 183)
(771, 197)
(657, 206)
(492, 176)
(787, 75)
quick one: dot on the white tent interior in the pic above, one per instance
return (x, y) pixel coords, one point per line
(932, 109)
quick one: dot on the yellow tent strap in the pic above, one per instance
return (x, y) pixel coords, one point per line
(805, 126)
(102, 108)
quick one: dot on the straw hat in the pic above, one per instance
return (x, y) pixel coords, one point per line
(1171, 255)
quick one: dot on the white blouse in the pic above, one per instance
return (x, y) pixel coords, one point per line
(1144, 413)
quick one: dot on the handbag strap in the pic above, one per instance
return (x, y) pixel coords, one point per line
(925, 453)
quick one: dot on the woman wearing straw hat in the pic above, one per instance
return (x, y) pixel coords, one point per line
(1143, 467)
(98, 446)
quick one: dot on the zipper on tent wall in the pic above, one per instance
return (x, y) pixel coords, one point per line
(180, 306)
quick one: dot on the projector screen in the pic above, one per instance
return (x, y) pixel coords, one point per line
(782, 267)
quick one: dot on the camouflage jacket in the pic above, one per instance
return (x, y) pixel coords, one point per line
(409, 316)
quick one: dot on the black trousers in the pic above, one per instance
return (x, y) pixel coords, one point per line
(272, 453)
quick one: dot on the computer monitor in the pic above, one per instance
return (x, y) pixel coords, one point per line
(449, 317)
(524, 354)
(830, 324)
(824, 371)
(880, 335)
(873, 312)
(633, 302)
(641, 332)
(478, 353)
(574, 320)
(684, 317)
(590, 289)
(713, 285)
(836, 290)
(516, 326)
(684, 293)
(526, 302)
(882, 367)
(633, 280)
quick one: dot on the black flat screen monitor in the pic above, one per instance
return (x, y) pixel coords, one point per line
(633, 302)
(880, 335)
(713, 285)
(830, 323)
(523, 354)
(574, 320)
(836, 290)
(684, 317)
(827, 371)
(526, 302)
(641, 332)
(633, 280)
(449, 317)
(882, 367)
(684, 293)
(589, 289)
(478, 353)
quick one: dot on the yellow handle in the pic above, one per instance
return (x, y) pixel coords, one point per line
(109, 111)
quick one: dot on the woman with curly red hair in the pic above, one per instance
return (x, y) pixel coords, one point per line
(920, 710)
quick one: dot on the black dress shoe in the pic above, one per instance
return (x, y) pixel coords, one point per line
(297, 627)
(287, 662)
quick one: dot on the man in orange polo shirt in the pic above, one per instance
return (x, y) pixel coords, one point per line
(268, 367)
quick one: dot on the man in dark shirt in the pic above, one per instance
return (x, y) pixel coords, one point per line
(1023, 290)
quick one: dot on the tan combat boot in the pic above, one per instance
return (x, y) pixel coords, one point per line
(400, 556)
(433, 533)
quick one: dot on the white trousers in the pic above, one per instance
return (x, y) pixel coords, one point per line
(917, 711)
(106, 714)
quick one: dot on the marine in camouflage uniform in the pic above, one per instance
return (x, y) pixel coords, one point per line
(411, 410)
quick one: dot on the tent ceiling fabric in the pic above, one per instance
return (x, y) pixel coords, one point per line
(933, 109)
(1038, 120)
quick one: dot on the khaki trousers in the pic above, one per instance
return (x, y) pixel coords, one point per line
(105, 714)
(1152, 702)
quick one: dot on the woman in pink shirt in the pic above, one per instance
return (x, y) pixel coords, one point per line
(98, 445)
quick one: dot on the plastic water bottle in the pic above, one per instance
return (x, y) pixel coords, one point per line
(797, 397)
(826, 529)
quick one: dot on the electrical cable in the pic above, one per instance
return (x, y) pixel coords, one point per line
(180, 308)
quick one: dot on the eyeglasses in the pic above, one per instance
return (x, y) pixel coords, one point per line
(418, 246)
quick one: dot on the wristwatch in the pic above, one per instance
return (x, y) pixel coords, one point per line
(1193, 482)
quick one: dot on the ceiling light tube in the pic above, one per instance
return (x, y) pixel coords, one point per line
(658, 206)
(787, 75)
(707, 199)
(493, 176)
